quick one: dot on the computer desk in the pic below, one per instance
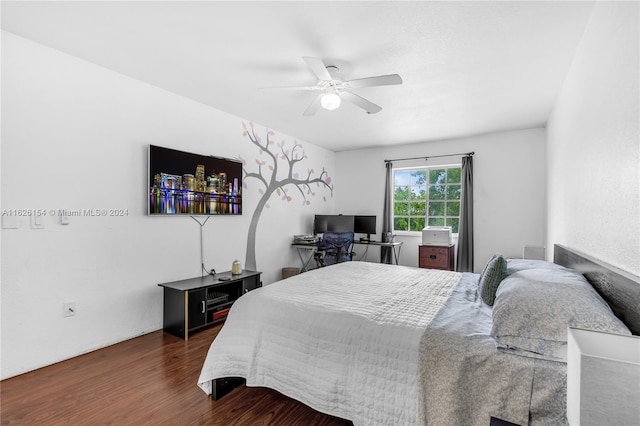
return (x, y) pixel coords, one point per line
(309, 250)
(396, 246)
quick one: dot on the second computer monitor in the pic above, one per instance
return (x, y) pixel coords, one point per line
(364, 225)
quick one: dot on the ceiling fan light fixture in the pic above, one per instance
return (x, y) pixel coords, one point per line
(330, 101)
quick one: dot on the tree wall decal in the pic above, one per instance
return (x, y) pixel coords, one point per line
(278, 173)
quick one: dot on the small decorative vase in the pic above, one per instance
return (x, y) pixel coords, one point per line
(236, 267)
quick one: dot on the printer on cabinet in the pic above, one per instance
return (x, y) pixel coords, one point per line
(436, 236)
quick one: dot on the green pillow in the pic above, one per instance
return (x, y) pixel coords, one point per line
(492, 275)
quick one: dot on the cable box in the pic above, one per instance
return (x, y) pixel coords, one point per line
(216, 297)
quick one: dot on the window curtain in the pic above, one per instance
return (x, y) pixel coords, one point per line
(387, 215)
(465, 229)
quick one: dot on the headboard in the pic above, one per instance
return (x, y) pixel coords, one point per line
(620, 289)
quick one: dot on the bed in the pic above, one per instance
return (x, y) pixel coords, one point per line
(387, 344)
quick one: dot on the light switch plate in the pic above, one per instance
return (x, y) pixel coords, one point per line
(37, 222)
(9, 222)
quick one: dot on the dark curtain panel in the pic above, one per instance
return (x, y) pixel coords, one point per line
(387, 215)
(465, 229)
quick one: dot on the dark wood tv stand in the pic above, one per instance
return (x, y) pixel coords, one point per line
(195, 303)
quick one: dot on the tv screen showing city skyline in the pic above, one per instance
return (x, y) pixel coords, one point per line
(184, 183)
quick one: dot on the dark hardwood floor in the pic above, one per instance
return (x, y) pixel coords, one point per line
(147, 380)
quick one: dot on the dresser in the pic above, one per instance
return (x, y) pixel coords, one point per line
(437, 257)
(194, 303)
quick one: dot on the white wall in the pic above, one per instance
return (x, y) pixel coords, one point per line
(593, 143)
(75, 136)
(509, 189)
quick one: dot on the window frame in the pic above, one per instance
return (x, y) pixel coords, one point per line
(426, 169)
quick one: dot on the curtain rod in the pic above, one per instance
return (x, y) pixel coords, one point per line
(426, 158)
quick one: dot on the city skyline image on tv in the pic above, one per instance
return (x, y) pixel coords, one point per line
(184, 183)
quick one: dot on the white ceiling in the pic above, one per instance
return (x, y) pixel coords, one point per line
(468, 67)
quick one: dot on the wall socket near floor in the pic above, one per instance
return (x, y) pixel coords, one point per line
(68, 309)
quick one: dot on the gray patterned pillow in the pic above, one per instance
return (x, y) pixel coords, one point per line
(515, 265)
(492, 275)
(534, 308)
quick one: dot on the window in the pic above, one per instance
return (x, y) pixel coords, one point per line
(426, 196)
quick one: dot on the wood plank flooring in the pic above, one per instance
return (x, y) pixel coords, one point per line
(149, 380)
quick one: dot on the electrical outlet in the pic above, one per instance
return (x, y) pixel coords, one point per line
(68, 309)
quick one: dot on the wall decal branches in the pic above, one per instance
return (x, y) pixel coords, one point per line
(286, 162)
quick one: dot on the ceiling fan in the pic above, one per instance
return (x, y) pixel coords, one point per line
(334, 89)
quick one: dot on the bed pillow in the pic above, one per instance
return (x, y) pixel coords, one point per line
(516, 265)
(493, 273)
(534, 308)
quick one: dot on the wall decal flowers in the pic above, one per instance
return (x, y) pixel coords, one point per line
(278, 172)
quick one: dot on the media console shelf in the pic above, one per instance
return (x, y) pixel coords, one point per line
(202, 301)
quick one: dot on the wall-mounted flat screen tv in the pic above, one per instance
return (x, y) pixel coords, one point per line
(183, 183)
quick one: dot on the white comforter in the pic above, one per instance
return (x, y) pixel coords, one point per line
(343, 339)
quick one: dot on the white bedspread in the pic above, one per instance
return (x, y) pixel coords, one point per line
(342, 339)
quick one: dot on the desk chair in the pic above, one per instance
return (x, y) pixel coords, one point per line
(337, 248)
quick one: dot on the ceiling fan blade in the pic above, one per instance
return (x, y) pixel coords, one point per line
(381, 80)
(318, 67)
(314, 106)
(308, 88)
(366, 105)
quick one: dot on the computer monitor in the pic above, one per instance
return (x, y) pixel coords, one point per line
(320, 223)
(340, 223)
(364, 225)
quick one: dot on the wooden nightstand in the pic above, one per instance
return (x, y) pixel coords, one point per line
(437, 257)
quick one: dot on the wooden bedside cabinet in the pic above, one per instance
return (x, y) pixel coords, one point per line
(437, 257)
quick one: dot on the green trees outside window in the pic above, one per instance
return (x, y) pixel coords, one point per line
(426, 196)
